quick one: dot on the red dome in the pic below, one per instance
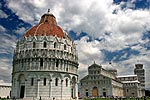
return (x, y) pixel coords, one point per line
(46, 27)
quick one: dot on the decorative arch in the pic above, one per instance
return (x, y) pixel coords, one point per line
(21, 85)
(56, 39)
(67, 79)
(31, 75)
(45, 37)
(49, 77)
(95, 92)
(34, 38)
(104, 92)
(44, 76)
(74, 79)
(21, 78)
(57, 75)
(73, 89)
(67, 76)
(65, 42)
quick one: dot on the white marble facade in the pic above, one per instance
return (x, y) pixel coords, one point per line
(45, 66)
(102, 82)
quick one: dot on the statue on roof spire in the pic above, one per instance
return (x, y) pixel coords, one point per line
(110, 63)
(48, 11)
(94, 61)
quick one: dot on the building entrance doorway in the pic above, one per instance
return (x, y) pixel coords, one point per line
(73, 90)
(21, 85)
(104, 94)
(95, 92)
(22, 89)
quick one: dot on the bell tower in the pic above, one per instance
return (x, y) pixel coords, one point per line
(140, 72)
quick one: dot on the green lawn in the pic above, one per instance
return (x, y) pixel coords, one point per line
(4, 99)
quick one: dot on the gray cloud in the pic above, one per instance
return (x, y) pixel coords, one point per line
(8, 43)
(2, 29)
(21, 30)
(3, 14)
(5, 69)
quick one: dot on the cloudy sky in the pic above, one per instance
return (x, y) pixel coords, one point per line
(104, 31)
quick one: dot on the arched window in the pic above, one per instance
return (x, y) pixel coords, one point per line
(87, 94)
(32, 81)
(46, 20)
(66, 82)
(67, 69)
(65, 47)
(34, 44)
(57, 63)
(44, 44)
(127, 90)
(44, 82)
(56, 82)
(41, 61)
(55, 45)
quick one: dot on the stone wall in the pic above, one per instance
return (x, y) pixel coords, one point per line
(5, 91)
(65, 84)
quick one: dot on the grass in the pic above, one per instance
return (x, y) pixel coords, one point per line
(4, 99)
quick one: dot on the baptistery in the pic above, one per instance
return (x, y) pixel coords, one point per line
(45, 63)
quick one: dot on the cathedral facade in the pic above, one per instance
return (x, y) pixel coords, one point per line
(102, 82)
(45, 63)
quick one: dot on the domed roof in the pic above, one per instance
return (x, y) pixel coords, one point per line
(46, 27)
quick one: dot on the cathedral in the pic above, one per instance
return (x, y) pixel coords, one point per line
(45, 63)
(102, 82)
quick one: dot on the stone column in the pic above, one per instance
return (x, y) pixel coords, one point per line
(67, 66)
(38, 64)
(71, 85)
(47, 63)
(30, 64)
(76, 91)
(38, 80)
(43, 64)
(52, 64)
(25, 88)
(62, 65)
